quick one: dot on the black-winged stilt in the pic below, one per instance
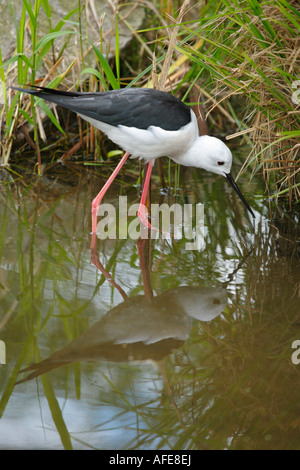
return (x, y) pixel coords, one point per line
(148, 124)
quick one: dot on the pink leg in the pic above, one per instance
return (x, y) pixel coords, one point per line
(96, 262)
(143, 249)
(142, 212)
(97, 201)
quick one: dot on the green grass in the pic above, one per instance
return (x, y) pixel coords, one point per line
(250, 53)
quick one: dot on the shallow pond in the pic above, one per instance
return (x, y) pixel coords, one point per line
(146, 344)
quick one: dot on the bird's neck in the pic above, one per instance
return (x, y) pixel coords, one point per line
(197, 155)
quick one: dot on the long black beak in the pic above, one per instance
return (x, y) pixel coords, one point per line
(235, 186)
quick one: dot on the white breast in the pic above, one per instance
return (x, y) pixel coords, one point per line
(150, 143)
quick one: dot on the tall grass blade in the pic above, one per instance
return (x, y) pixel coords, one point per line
(117, 50)
(56, 413)
(106, 68)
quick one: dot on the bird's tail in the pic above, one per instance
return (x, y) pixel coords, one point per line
(60, 97)
(42, 91)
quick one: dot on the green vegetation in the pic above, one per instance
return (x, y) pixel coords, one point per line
(239, 60)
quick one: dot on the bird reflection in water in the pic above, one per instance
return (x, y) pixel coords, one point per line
(140, 328)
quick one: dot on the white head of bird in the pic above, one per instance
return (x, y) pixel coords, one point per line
(211, 154)
(208, 153)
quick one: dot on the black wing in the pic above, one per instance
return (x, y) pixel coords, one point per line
(132, 107)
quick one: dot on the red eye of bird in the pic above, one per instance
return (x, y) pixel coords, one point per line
(220, 163)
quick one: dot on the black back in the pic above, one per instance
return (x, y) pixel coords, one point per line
(132, 107)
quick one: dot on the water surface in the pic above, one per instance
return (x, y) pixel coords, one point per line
(146, 345)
